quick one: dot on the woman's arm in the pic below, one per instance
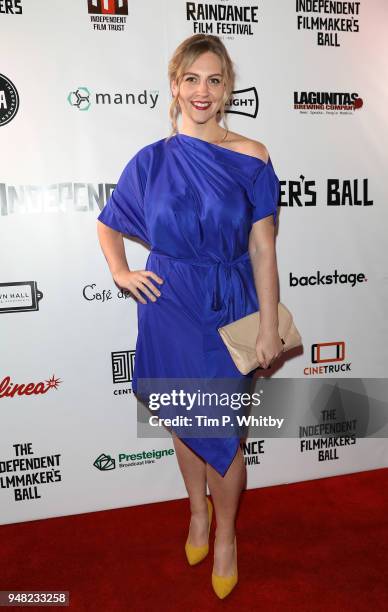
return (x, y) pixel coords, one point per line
(262, 252)
(112, 245)
(264, 264)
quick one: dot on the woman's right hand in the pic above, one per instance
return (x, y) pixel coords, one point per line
(135, 280)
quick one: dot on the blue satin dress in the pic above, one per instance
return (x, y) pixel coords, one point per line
(193, 203)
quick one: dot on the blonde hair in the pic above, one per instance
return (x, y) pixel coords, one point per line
(184, 56)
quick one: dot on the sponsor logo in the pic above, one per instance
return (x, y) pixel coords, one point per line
(328, 20)
(53, 198)
(327, 102)
(82, 98)
(327, 351)
(92, 294)
(243, 102)
(105, 462)
(9, 100)
(24, 472)
(336, 424)
(10, 389)
(329, 358)
(11, 7)
(224, 20)
(303, 193)
(90, 197)
(253, 451)
(335, 278)
(108, 15)
(123, 363)
(108, 7)
(23, 296)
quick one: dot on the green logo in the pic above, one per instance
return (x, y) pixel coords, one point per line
(80, 98)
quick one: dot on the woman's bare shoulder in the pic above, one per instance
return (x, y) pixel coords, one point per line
(248, 146)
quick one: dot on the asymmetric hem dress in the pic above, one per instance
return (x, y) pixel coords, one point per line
(194, 204)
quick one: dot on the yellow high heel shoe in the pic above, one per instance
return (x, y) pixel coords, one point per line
(223, 585)
(195, 554)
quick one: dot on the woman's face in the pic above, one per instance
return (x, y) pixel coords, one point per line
(202, 88)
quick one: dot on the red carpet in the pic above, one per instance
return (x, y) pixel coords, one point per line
(317, 545)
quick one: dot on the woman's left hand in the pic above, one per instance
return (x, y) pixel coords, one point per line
(268, 347)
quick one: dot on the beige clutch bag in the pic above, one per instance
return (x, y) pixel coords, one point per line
(240, 337)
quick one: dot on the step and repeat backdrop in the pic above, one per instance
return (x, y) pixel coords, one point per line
(83, 86)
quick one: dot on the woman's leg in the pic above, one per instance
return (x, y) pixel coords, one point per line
(193, 470)
(225, 492)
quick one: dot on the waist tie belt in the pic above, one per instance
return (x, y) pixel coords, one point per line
(219, 270)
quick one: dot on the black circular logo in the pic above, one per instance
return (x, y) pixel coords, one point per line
(9, 100)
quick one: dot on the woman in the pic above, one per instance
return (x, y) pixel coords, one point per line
(205, 200)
